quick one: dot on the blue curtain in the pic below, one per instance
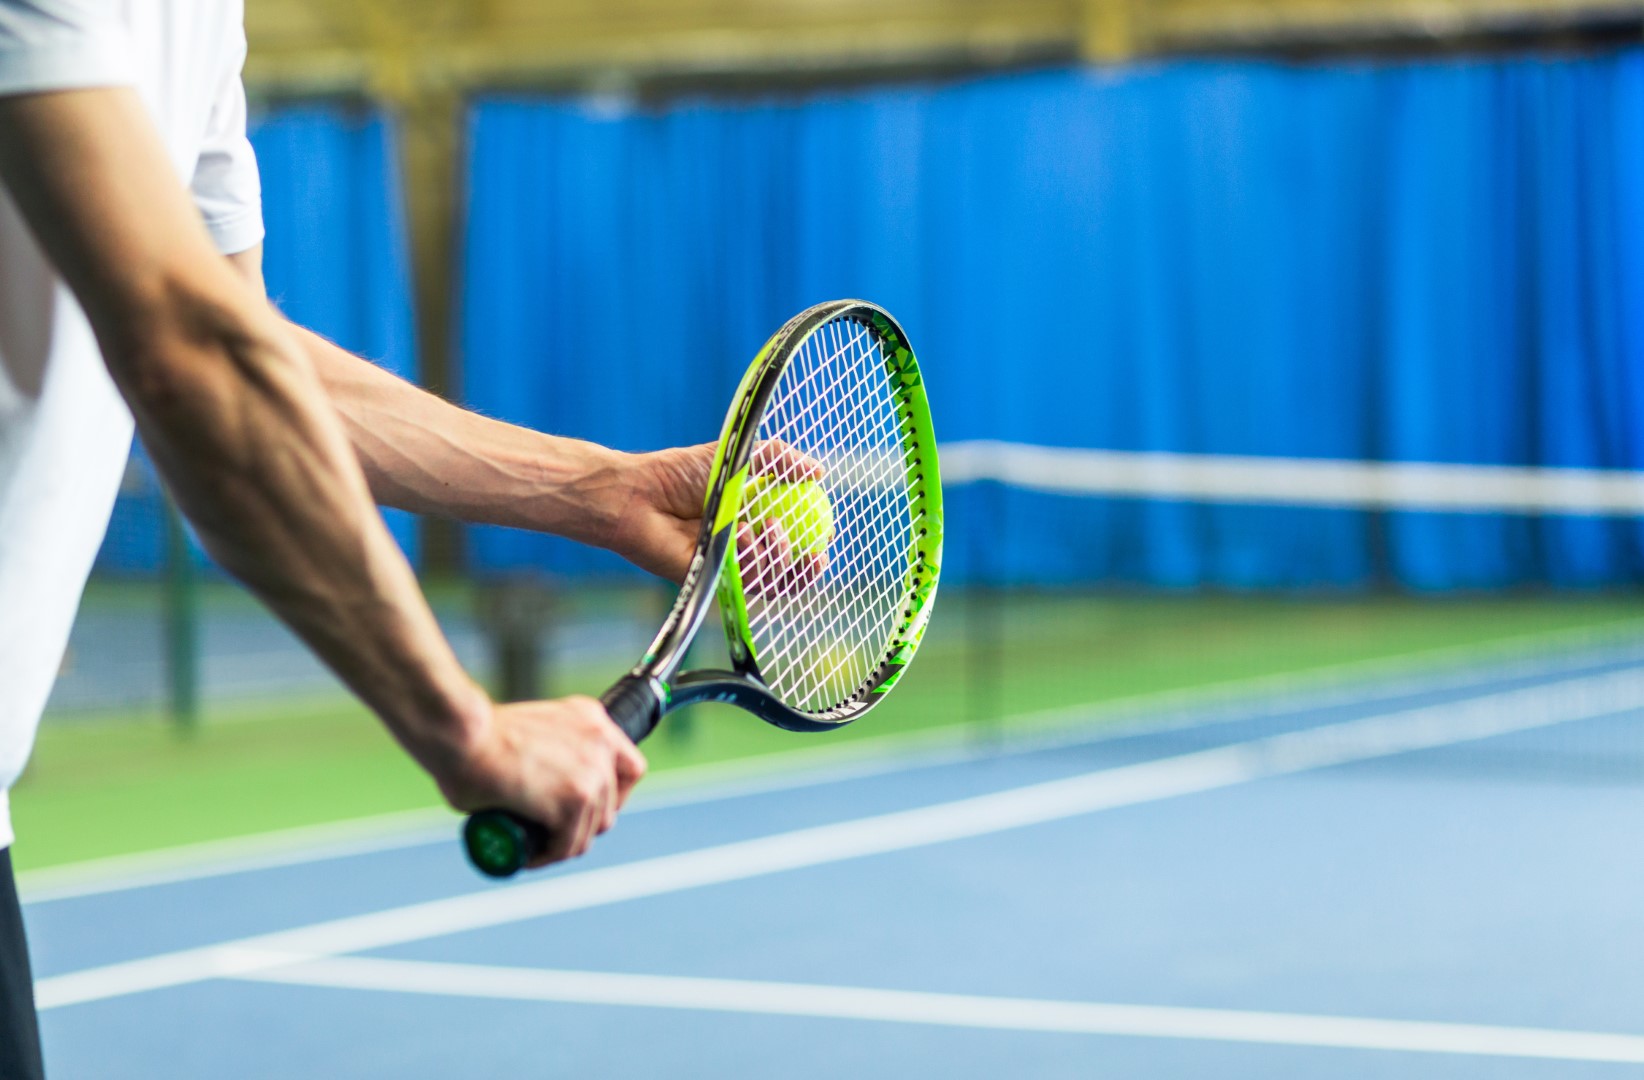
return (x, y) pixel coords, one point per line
(336, 261)
(1401, 262)
(337, 258)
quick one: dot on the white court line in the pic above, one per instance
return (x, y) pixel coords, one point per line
(1370, 680)
(259, 851)
(1320, 482)
(949, 1010)
(1362, 739)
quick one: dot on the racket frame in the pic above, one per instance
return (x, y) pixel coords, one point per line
(714, 569)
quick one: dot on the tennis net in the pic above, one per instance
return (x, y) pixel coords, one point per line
(1487, 617)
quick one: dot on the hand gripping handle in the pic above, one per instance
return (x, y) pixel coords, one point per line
(500, 843)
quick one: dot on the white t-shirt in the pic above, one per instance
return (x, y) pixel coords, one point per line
(65, 433)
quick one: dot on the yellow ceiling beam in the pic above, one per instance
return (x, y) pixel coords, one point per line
(1115, 30)
(1254, 23)
(303, 44)
(389, 45)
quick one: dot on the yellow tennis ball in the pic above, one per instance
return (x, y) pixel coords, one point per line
(802, 509)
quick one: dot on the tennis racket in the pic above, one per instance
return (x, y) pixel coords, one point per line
(821, 533)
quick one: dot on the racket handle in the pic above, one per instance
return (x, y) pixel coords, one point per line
(634, 706)
(500, 843)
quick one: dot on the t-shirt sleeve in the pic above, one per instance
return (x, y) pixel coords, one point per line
(226, 187)
(62, 45)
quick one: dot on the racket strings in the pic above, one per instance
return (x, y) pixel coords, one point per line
(821, 629)
(822, 676)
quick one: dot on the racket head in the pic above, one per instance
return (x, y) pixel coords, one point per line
(839, 389)
(829, 439)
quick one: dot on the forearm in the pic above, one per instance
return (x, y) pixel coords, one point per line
(256, 457)
(423, 454)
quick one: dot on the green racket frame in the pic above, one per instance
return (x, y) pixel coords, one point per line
(925, 505)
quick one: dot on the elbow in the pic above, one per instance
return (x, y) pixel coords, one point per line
(189, 353)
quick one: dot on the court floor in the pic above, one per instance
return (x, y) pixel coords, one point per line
(1433, 878)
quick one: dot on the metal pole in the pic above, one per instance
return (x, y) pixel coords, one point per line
(515, 612)
(182, 608)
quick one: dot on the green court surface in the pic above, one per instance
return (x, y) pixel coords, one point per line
(107, 785)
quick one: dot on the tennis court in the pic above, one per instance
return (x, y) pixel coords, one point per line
(1276, 434)
(1361, 872)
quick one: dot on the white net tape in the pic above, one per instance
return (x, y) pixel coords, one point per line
(825, 598)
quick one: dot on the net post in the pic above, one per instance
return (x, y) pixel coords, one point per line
(984, 616)
(182, 608)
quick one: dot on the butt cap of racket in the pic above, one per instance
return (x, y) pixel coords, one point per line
(499, 844)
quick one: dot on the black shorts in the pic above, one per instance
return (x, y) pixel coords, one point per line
(19, 1030)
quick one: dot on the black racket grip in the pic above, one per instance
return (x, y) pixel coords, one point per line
(634, 706)
(500, 843)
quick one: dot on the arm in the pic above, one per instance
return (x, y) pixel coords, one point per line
(237, 421)
(422, 453)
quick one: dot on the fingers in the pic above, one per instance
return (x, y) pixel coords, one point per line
(808, 571)
(599, 795)
(786, 462)
(592, 820)
(586, 812)
(573, 771)
(772, 565)
(631, 767)
(564, 830)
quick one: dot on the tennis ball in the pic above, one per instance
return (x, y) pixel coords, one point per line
(802, 509)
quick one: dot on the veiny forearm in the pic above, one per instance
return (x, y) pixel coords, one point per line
(424, 454)
(240, 427)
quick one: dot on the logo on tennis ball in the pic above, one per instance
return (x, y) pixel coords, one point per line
(802, 509)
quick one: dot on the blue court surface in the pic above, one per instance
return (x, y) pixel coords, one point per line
(1437, 875)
